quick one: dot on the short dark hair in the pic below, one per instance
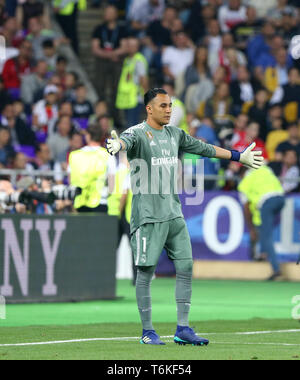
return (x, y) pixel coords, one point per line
(152, 94)
(61, 58)
(48, 44)
(95, 132)
(79, 85)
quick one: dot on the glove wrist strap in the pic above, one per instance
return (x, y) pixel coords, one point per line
(235, 155)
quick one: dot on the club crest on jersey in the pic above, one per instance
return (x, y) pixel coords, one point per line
(149, 135)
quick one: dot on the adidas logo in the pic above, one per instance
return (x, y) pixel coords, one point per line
(152, 143)
(146, 339)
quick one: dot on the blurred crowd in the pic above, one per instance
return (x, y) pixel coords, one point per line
(227, 65)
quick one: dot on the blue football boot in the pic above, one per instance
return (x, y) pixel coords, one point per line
(186, 335)
(150, 337)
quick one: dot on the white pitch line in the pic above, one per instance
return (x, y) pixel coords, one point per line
(260, 343)
(137, 337)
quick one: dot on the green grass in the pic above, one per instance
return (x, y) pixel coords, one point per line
(220, 309)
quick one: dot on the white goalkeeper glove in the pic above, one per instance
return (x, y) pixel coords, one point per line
(251, 159)
(113, 145)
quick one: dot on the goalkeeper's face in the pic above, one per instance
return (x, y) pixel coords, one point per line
(160, 109)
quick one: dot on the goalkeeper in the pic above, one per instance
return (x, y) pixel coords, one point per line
(157, 221)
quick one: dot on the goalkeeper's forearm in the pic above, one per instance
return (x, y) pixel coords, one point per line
(222, 154)
(123, 144)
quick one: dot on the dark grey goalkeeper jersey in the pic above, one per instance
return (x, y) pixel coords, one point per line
(153, 158)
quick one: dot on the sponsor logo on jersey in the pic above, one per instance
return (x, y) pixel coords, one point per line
(163, 141)
(164, 161)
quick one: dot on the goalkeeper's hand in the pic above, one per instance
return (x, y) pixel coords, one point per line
(251, 159)
(113, 145)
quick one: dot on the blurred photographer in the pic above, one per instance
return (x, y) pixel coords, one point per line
(6, 189)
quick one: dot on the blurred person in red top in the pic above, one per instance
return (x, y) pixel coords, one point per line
(15, 68)
(9, 30)
(45, 110)
(249, 136)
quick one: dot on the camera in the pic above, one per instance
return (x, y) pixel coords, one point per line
(59, 192)
(65, 193)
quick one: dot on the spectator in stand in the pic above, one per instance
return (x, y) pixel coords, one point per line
(198, 70)
(33, 85)
(276, 136)
(82, 107)
(276, 14)
(49, 55)
(197, 94)
(219, 107)
(5, 98)
(177, 58)
(20, 162)
(17, 67)
(76, 142)
(179, 114)
(220, 76)
(250, 136)
(100, 109)
(109, 46)
(288, 96)
(44, 162)
(37, 35)
(45, 110)
(3, 12)
(70, 86)
(262, 7)
(213, 38)
(240, 125)
(292, 143)
(246, 30)
(158, 35)
(13, 36)
(275, 112)
(259, 111)
(142, 12)
(242, 89)
(32, 8)
(104, 123)
(261, 43)
(61, 70)
(232, 14)
(21, 134)
(6, 150)
(65, 109)
(59, 142)
(290, 172)
(272, 66)
(283, 64)
(228, 56)
(19, 111)
(201, 15)
(289, 26)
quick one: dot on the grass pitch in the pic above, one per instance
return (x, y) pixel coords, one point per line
(242, 320)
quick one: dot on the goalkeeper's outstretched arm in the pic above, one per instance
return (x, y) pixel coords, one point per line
(249, 157)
